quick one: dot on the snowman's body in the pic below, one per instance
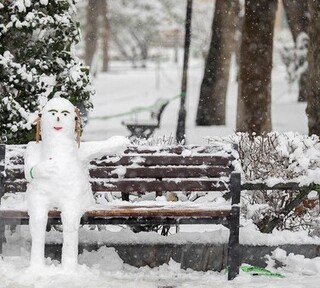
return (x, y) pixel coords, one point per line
(57, 171)
(69, 183)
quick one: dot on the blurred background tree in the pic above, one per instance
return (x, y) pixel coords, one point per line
(138, 31)
(298, 20)
(213, 91)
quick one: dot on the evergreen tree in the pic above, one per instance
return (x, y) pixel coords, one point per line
(37, 62)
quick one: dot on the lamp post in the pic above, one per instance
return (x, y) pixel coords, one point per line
(181, 127)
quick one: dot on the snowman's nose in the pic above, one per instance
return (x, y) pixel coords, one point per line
(58, 119)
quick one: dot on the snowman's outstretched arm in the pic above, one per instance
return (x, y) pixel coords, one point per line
(115, 145)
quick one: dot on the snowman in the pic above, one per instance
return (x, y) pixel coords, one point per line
(56, 169)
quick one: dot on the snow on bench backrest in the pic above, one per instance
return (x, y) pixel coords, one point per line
(144, 169)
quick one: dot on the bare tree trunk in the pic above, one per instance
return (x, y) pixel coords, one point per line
(91, 35)
(313, 79)
(142, 43)
(176, 45)
(120, 46)
(298, 20)
(254, 97)
(105, 34)
(238, 35)
(212, 101)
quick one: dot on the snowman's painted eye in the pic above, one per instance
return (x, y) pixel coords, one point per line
(53, 112)
(65, 113)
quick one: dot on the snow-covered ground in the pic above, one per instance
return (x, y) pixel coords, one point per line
(104, 268)
(121, 90)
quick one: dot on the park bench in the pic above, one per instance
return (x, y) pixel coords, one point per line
(141, 170)
(146, 129)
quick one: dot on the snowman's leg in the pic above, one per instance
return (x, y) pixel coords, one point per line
(38, 214)
(70, 222)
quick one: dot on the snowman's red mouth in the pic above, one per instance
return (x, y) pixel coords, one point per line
(57, 128)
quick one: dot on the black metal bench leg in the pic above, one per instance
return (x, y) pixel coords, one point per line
(233, 245)
(124, 196)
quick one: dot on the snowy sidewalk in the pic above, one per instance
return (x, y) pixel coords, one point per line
(103, 268)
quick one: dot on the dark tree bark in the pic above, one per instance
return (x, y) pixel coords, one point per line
(297, 15)
(254, 97)
(313, 79)
(298, 20)
(105, 35)
(212, 101)
(91, 35)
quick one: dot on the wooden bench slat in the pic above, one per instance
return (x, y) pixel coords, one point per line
(173, 149)
(16, 186)
(132, 212)
(152, 160)
(159, 212)
(207, 151)
(14, 174)
(142, 172)
(21, 186)
(138, 185)
(160, 172)
(159, 186)
(150, 172)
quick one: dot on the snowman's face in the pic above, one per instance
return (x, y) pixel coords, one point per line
(58, 119)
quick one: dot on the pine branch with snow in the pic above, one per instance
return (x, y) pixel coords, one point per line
(37, 62)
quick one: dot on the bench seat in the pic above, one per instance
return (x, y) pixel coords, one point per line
(185, 215)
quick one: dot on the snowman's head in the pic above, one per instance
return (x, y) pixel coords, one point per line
(58, 119)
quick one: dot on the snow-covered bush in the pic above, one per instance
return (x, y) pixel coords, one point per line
(36, 62)
(284, 156)
(273, 158)
(280, 157)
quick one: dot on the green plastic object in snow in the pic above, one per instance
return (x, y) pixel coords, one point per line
(258, 271)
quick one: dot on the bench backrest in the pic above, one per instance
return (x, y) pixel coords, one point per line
(141, 169)
(156, 113)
